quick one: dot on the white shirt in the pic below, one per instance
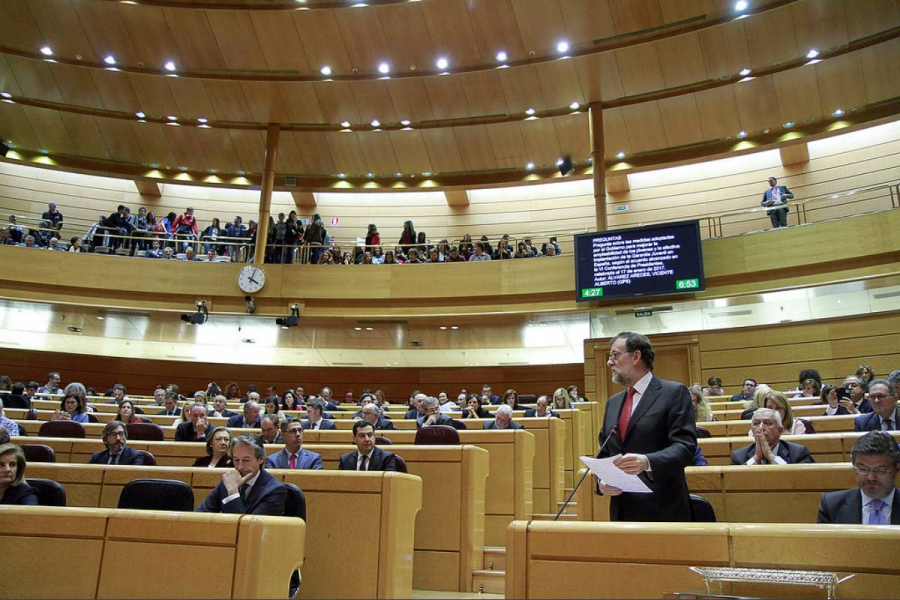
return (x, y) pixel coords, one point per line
(359, 457)
(886, 510)
(250, 483)
(778, 459)
(639, 388)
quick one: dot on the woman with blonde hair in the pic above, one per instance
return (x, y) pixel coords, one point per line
(561, 398)
(779, 402)
(702, 410)
(13, 489)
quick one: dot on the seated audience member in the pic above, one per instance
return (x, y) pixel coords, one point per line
(511, 399)
(432, 414)
(702, 411)
(561, 400)
(171, 405)
(246, 489)
(876, 499)
(220, 403)
(768, 448)
(473, 408)
(289, 401)
(159, 397)
(53, 244)
(5, 383)
(447, 405)
(866, 373)
(119, 394)
(759, 400)
(190, 255)
(792, 425)
(250, 418)
(269, 424)
(315, 416)
(503, 419)
(811, 388)
(30, 242)
(829, 396)
(548, 250)
(115, 438)
(272, 394)
(13, 489)
(218, 442)
(76, 245)
(11, 426)
(168, 254)
(31, 389)
(486, 390)
(155, 251)
(196, 428)
(699, 460)
(232, 392)
(894, 378)
(273, 405)
(417, 407)
(885, 415)
(714, 387)
(325, 395)
(52, 385)
(542, 409)
(856, 389)
(371, 414)
(746, 392)
(414, 257)
(807, 374)
(4, 435)
(293, 455)
(367, 457)
(480, 254)
(71, 408)
(17, 398)
(574, 396)
(126, 413)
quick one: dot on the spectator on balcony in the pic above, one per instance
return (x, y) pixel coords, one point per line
(776, 198)
(53, 215)
(373, 238)
(185, 227)
(455, 256)
(414, 257)
(190, 255)
(75, 245)
(549, 250)
(522, 251)
(377, 256)
(118, 226)
(30, 242)
(53, 244)
(315, 238)
(531, 248)
(389, 258)
(211, 235)
(481, 254)
(434, 256)
(139, 228)
(408, 237)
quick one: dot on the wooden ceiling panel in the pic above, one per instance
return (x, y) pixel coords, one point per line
(106, 31)
(447, 97)
(757, 103)
(154, 94)
(364, 38)
(866, 18)
(85, 135)
(560, 83)
(798, 94)
(679, 10)
(639, 69)
(8, 81)
(219, 148)
(484, 93)
(251, 149)
(318, 31)
(120, 139)
(409, 148)
(15, 127)
(289, 159)
(587, 20)
(880, 71)
(541, 25)
(300, 102)
(18, 27)
(314, 151)
(76, 86)
(615, 134)
(475, 147)
(186, 147)
(347, 153)
(154, 145)
(681, 120)
(407, 36)
(541, 143)
(336, 100)
(509, 145)
(264, 101)
(725, 50)
(191, 98)
(841, 82)
(51, 131)
(599, 76)
(228, 100)
(378, 152)
(374, 101)
(495, 27)
(35, 79)
(771, 38)
(237, 39)
(115, 91)
(574, 137)
(410, 99)
(820, 24)
(522, 89)
(635, 15)
(61, 29)
(457, 43)
(720, 113)
(443, 150)
(681, 60)
(150, 34)
(194, 38)
(645, 128)
(280, 43)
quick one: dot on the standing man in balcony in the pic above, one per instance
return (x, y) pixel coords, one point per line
(53, 215)
(777, 196)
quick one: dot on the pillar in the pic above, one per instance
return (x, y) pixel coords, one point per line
(265, 193)
(595, 121)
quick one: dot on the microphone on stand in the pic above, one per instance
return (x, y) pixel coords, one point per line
(612, 431)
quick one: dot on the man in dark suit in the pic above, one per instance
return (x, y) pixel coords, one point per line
(768, 448)
(196, 429)
(503, 419)
(314, 417)
(367, 457)
(746, 392)
(293, 455)
(542, 410)
(777, 196)
(856, 390)
(270, 429)
(652, 425)
(417, 409)
(246, 489)
(220, 403)
(885, 415)
(250, 418)
(432, 414)
(875, 500)
(372, 414)
(171, 405)
(115, 438)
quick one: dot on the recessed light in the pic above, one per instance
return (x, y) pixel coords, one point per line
(812, 53)
(426, 173)
(169, 66)
(443, 328)
(559, 161)
(384, 68)
(370, 175)
(376, 123)
(529, 166)
(454, 327)
(501, 56)
(341, 175)
(442, 63)
(101, 318)
(744, 72)
(742, 134)
(368, 329)
(358, 328)
(6, 95)
(529, 111)
(620, 155)
(838, 112)
(562, 46)
(172, 118)
(405, 122)
(398, 174)
(202, 120)
(46, 51)
(575, 106)
(345, 124)
(741, 5)
(326, 71)
(75, 329)
(110, 60)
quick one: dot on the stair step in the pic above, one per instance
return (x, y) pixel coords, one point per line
(552, 516)
(494, 558)
(489, 582)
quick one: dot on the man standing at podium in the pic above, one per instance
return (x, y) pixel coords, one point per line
(651, 425)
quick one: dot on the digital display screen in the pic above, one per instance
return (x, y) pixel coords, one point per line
(643, 261)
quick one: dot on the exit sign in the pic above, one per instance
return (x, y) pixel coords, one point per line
(622, 208)
(643, 313)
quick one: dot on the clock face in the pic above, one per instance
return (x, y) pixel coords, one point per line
(251, 279)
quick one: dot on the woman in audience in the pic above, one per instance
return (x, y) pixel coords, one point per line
(702, 410)
(232, 392)
(75, 244)
(379, 397)
(829, 397)
(758, 400)
(272, 406)
(346, 258)
(377, 256)
(561, 398)
(289, 401)
(408, 237)
(522, 251)
(126, 413)
(389, 258)
(811, 388)
(373, 238)
(778, 401)
(5, 383)
(367, 258)
(511, 398)
(325, 258)
(422, 242)
(466, 247)
(71, 408)
(474, 409)
(217, 444)
(400, 256)
(865, 373)
(13, 489)
(211, 234)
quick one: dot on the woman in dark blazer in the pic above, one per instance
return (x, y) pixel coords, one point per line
(473, 409)
(13, 489)
(217, 445)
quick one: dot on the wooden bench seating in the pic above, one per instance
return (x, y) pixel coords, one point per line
(741, 427)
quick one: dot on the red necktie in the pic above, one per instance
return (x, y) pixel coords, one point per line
(626, 412)
(293, 463)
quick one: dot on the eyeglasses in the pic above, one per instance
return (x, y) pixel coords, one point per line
(615, 354)
(879, 397)
(880, 471)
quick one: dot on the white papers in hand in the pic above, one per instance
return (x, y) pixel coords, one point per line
(610, 474)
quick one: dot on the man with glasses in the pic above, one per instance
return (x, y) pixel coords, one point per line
(746, 392)
(293, 455)
(875, 500)
(885, 415)
(117, 452)
(856, 390)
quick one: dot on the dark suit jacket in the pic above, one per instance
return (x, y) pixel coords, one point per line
(412, 414)
(224, 462)
(129, 457)
(324, 424)
(662, 428)
(378, 461)
(16, 401)
(305, 460)
(791, 453)
(872, 422)
(22, 494)
(442, 420)
(177, 412)
(230, 413)
(238, 422)
(384, 424)
(532, 412)
(493, 425)
(185, 432)
(266, 497)
(865, 406)
(739, 397)
(846, 507)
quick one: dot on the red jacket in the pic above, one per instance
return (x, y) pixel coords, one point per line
(184, 219)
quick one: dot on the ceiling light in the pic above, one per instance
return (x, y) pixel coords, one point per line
(326, 71)
(562, 47)
(358, 328)
(559, 161)
(529, 111)
(6, 95)
(442, 63)
(788, 125)
(345, 124)
(169, 66)
(741, 5)
(384, 68)
(368, 329)
(341, 175)
(575, 106)
(110, 60)
(46, 51)
(620, 155)
(101, 318)
(501, 56)
(812, 53)
(202, 120)
(454, 327)
(443, 328)
(838, 112)
(405, 122)
(172, 118)
(398, 174)
(370, 175)
(376, 123)
(742, 134)
(744, 72)
(140, 114)
(529, 166)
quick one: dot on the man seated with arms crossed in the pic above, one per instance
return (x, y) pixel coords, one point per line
(314, 410)
(875, 500)
(768, 447)
(196, 429)
(115, 438)
(432, 414)
(503, 419)
(269, 424)
(246, 489)
(885, 415)
(293, 456)
(250, 418)
(368, 457)
(542, 410)
(372, 414)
